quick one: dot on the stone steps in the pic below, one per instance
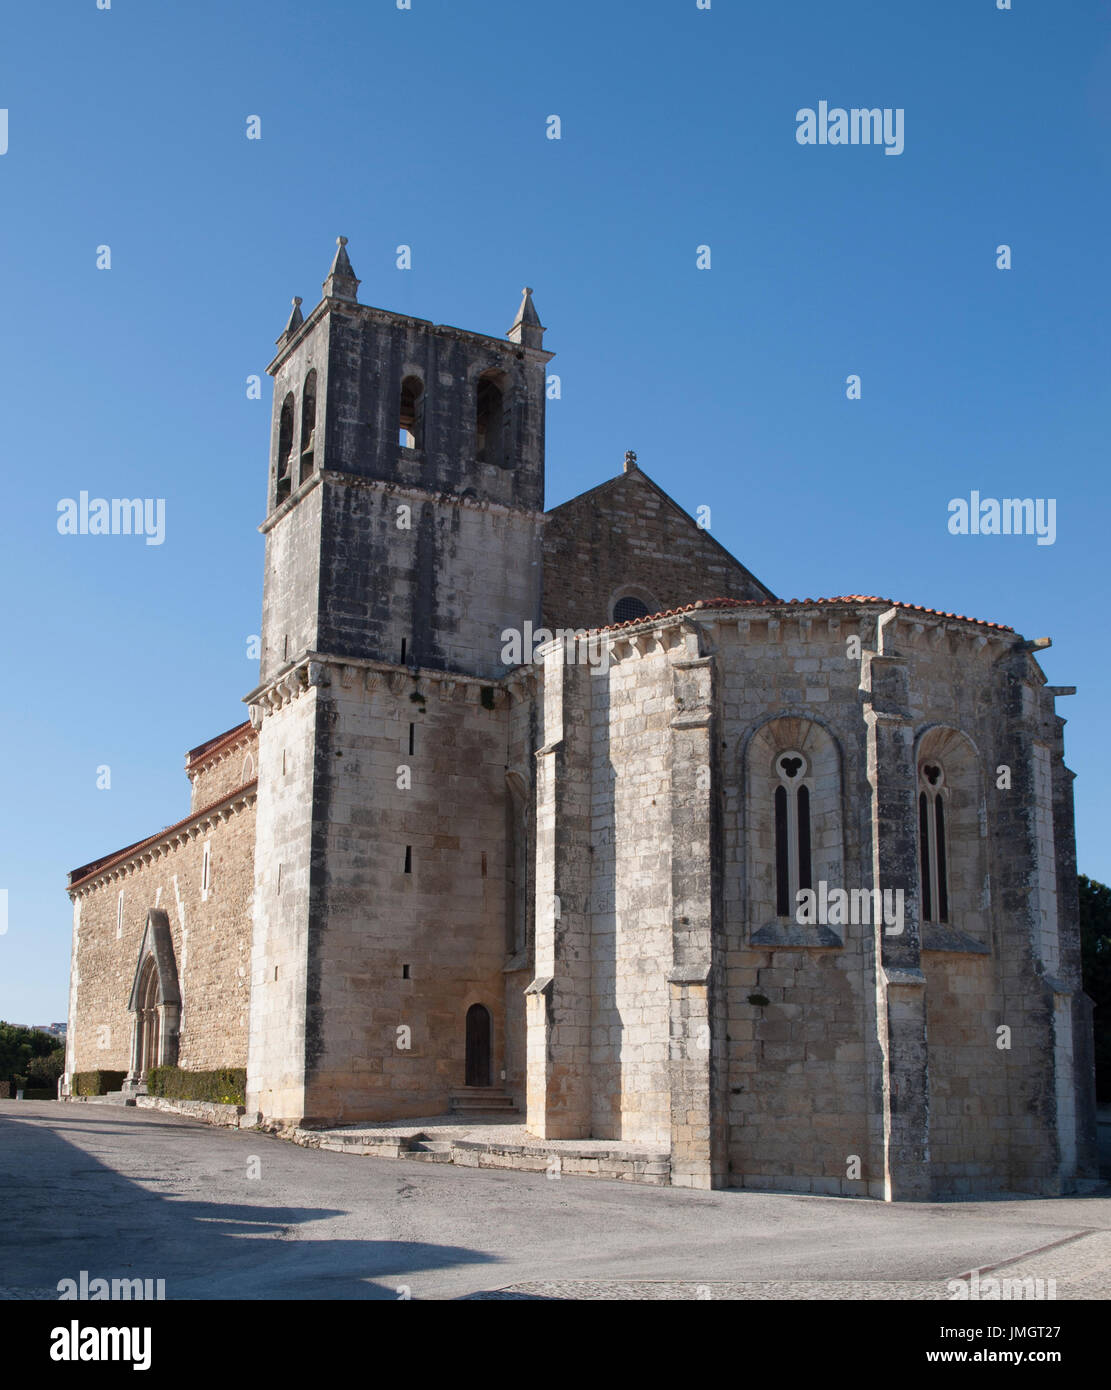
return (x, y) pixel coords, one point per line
(481, 1100)
(424, 1150)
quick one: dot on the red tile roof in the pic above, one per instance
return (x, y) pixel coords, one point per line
(87, 871)
(203, 750)
(707, 604)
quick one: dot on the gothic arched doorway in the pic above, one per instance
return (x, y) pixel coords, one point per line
(148, 1024)
(155, 1003)
(478, 1045)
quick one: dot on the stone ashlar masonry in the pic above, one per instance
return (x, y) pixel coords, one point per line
(397, 798)
(211, 930)
(674, 1004)
(627, 538)
(383, 882)
(380, 545)
(584, 857)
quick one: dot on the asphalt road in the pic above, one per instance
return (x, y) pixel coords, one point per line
(122, 1193)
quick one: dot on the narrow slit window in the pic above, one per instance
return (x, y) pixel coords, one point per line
(793, 867)
(408, 859)
(782, 871)
(803, 805)
(939, 840)
(933, 848)
(412, 737)
(924, 855)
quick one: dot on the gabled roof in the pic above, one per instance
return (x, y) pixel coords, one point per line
(635, 476)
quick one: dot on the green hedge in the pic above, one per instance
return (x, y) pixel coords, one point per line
(37, 1093)
(227, 1086)
(96, 1083)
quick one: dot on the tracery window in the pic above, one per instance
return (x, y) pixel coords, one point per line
(793, 869)
(933, 849)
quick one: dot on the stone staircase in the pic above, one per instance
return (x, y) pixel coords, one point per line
(111, 1098)
(425, 1150)
(482, 1103)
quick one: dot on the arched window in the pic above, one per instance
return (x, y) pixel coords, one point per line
(793, 869)
(790, 833)
(308, 425)
(626, 609)
(410, 418)
(953, 867)
(491, 421)
(285, 448)
(248, 772)
(933, 849)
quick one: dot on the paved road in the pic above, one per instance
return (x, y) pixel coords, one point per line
(127, 1194)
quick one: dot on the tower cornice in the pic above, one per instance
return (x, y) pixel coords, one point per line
(368, 313)
(312, 669)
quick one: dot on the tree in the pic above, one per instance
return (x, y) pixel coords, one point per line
(18, 1048)
(43, 1072)
(1095, 955)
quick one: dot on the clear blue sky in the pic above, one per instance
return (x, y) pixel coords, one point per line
(427, 127)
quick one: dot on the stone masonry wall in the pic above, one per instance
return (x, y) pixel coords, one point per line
(397, 958)
(280, 937)
(971, 1120)
(799, 1102)
(626, 536)
(211, 939)
(222, 772)
(631, 899)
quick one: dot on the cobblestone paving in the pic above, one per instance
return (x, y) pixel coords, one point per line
(1081, 1269)
(689, 1292)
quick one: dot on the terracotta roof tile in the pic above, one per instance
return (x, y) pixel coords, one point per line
(711, 603)
(213, 745)
(87, 871)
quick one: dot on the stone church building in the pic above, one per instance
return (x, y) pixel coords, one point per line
(786, 888)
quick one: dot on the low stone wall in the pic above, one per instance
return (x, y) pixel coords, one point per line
(651, 1169)
(208, 1111)
(593, 1160)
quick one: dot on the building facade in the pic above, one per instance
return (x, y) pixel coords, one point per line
(568, 811)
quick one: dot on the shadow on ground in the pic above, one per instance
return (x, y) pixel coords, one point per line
(65, 1211)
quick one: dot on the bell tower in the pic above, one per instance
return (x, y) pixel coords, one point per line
(406, 485)
(403, 534)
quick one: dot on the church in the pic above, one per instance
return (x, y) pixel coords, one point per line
(567, 816)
